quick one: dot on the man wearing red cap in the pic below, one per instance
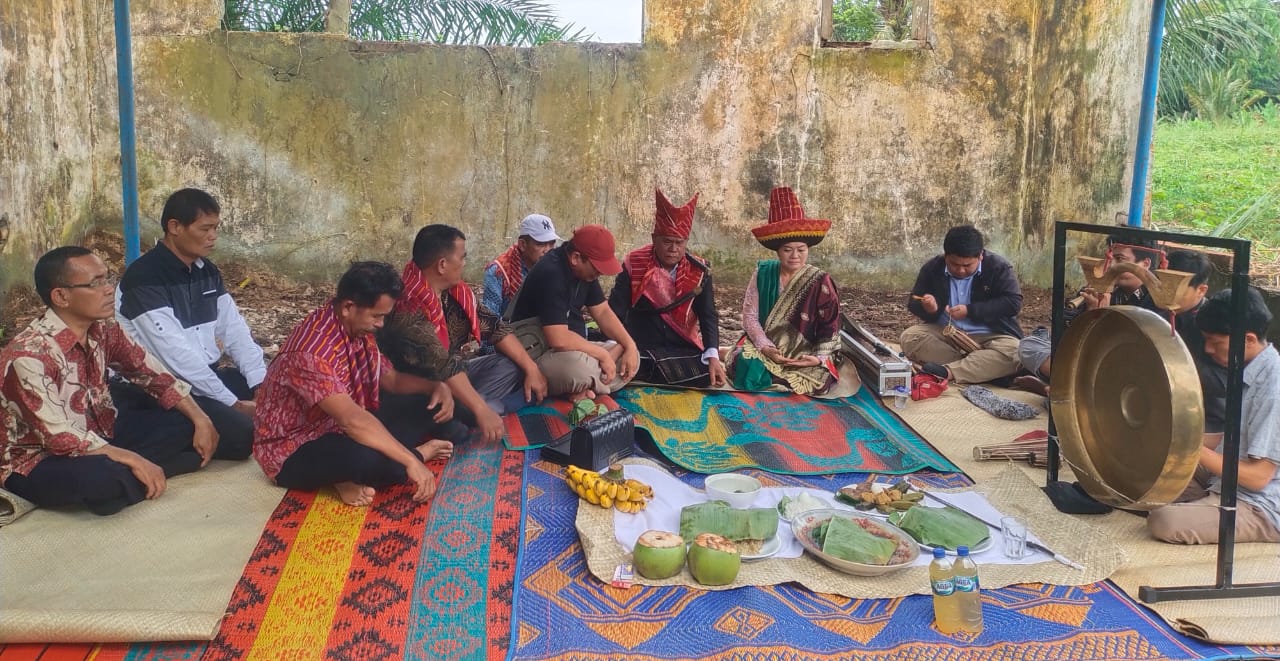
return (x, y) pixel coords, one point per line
(551, 300)
(665, 299)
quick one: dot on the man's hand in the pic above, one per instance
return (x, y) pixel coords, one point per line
(150, 475)
(205, 440)
(423, 481)
(1094, 299)
(929, 303)
(608, 369)
(958, 312)
(442, 397)
(489, 424)
(716, 370)
(535, 386)
(629, 363)
(245, 406)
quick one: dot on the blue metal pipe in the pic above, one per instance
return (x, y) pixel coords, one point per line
(1147, 115)
(128, 146)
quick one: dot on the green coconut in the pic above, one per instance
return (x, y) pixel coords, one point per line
(714, 560)
(658, 554)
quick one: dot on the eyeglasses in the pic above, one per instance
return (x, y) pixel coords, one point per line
(96, 283)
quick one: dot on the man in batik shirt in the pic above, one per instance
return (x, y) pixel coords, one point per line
(62, 441)
(435, 320)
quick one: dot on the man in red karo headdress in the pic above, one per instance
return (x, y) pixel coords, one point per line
(332, 410)
(665, 299)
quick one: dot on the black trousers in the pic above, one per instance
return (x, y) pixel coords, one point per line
(104, 486)
(335, 458)
(235, 429)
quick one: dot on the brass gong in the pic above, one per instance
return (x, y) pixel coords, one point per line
(1127, 403)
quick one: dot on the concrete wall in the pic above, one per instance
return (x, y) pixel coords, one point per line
(322, 149)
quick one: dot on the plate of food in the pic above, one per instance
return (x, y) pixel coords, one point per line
(853, 542)
(880, 498)
(943, 527)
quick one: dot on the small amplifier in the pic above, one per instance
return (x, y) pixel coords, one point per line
(596, 443)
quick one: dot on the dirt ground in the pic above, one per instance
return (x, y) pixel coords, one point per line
(272, 304)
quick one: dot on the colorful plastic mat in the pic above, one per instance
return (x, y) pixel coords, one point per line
(437, 582)
(719, 431)
(562, 612)
(536, 425)
(397, 580)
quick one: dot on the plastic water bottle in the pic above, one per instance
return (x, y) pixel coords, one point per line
(968, 594)
(946, 610)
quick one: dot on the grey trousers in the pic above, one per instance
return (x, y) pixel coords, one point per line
(494, 376)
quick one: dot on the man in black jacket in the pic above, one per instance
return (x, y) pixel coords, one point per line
(975, 291)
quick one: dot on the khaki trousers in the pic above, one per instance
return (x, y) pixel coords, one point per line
(569, 372)
(1196, 522)
(998, 357)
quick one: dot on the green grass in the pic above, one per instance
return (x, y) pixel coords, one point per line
(1202, 173)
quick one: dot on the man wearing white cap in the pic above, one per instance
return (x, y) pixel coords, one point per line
(505, 274)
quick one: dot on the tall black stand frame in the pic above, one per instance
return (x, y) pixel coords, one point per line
(1223, 586)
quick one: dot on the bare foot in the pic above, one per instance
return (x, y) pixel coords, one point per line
(435, 449)
(356, 495)
(1032, 384)
(586, 393)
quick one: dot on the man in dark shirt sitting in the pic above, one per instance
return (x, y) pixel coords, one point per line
(976, 291)
(1213, 377)
(551, 301)
(664, 297)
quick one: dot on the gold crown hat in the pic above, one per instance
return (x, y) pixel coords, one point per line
(788, 223)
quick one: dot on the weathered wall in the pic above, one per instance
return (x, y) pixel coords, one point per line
(49, 56)
(322, 149)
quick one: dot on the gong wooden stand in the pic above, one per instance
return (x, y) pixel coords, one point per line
(1223, 586)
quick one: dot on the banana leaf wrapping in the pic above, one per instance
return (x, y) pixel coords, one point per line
(944, 527)
(736, 525)
(845, 539)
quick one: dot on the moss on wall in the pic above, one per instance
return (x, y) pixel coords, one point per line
(323, 150)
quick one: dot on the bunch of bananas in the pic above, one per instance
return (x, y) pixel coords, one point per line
(610, 489)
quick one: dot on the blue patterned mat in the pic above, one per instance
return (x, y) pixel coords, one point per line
(562, 612)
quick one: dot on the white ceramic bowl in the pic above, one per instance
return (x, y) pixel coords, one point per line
(734, 488)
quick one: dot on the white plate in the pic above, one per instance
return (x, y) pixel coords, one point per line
(770, 547)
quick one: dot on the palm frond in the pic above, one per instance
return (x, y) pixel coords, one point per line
(1242, 218)
(488, 22)
(1206, 36)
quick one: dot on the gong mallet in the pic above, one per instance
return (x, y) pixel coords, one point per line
(1035, 545)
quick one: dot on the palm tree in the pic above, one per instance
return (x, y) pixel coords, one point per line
(488, 22)
(1205, 40)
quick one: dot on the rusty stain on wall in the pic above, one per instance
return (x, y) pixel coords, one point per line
(323, 150)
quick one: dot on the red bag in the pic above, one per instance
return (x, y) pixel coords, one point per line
(926, 386)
